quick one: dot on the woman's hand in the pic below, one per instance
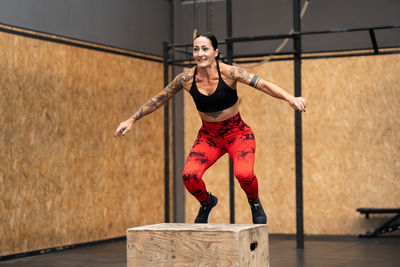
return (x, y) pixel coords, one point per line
(298, 103)
(124, 127)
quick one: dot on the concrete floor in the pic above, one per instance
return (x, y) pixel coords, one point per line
(339, 251)
(318, 252)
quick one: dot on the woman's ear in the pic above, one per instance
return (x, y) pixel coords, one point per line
(216, 52)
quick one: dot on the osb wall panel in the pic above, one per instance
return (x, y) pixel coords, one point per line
(64, 178)
(351, 139)
(351, 142)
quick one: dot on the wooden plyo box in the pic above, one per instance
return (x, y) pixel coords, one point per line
(174, 244)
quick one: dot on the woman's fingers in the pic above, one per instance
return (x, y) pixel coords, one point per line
(299, 104)
(119, 131)
(302, 104)
(123, 128)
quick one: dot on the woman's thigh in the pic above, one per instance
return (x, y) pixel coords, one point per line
(202, 155)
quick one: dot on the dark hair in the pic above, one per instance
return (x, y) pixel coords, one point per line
(212, 38)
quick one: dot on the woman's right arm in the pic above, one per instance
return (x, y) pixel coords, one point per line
(154, 103)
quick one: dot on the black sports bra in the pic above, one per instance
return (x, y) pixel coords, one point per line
(224, 97)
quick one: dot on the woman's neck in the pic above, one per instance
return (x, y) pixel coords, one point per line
(208, 71)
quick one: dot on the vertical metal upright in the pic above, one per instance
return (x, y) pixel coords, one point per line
(166, 137)
(178, 133)
(230, 61)
(298, 125)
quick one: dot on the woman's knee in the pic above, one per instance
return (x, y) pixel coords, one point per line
(190, 177)
(245, 177)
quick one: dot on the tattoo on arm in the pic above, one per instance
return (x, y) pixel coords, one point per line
(254, 81)
(177, 84)
(151, 103)
(244, 76)
(138, 114)
(161, 98)
(239, 74)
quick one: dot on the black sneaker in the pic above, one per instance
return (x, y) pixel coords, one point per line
(258, 213)
(204, 212)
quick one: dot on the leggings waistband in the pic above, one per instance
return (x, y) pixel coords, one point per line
(236, 118)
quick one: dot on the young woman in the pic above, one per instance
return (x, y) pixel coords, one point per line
(212, 85)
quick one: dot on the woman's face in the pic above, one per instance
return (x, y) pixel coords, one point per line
(203, 52)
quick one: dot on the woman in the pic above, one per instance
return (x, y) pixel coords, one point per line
(212, 85)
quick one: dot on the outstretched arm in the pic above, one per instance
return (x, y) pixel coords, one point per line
(240, 75)
(154, 103)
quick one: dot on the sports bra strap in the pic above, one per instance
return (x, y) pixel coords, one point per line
(194, 75)
(219, 73)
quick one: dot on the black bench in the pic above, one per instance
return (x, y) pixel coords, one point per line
(388, 226)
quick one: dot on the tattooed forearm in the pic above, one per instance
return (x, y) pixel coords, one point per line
(150, 106)
(151, 103)
(161, 98)
(254, 81)
(138, 114)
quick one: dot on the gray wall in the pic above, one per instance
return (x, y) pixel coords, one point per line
(142, 25)
(265, 17)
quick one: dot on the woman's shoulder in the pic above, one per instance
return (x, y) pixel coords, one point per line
(226, 70)
(234, 72)
(223, 66)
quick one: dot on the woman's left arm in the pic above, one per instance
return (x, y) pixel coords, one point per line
(240, 75)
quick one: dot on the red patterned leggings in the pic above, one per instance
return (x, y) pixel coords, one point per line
(214, 140)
